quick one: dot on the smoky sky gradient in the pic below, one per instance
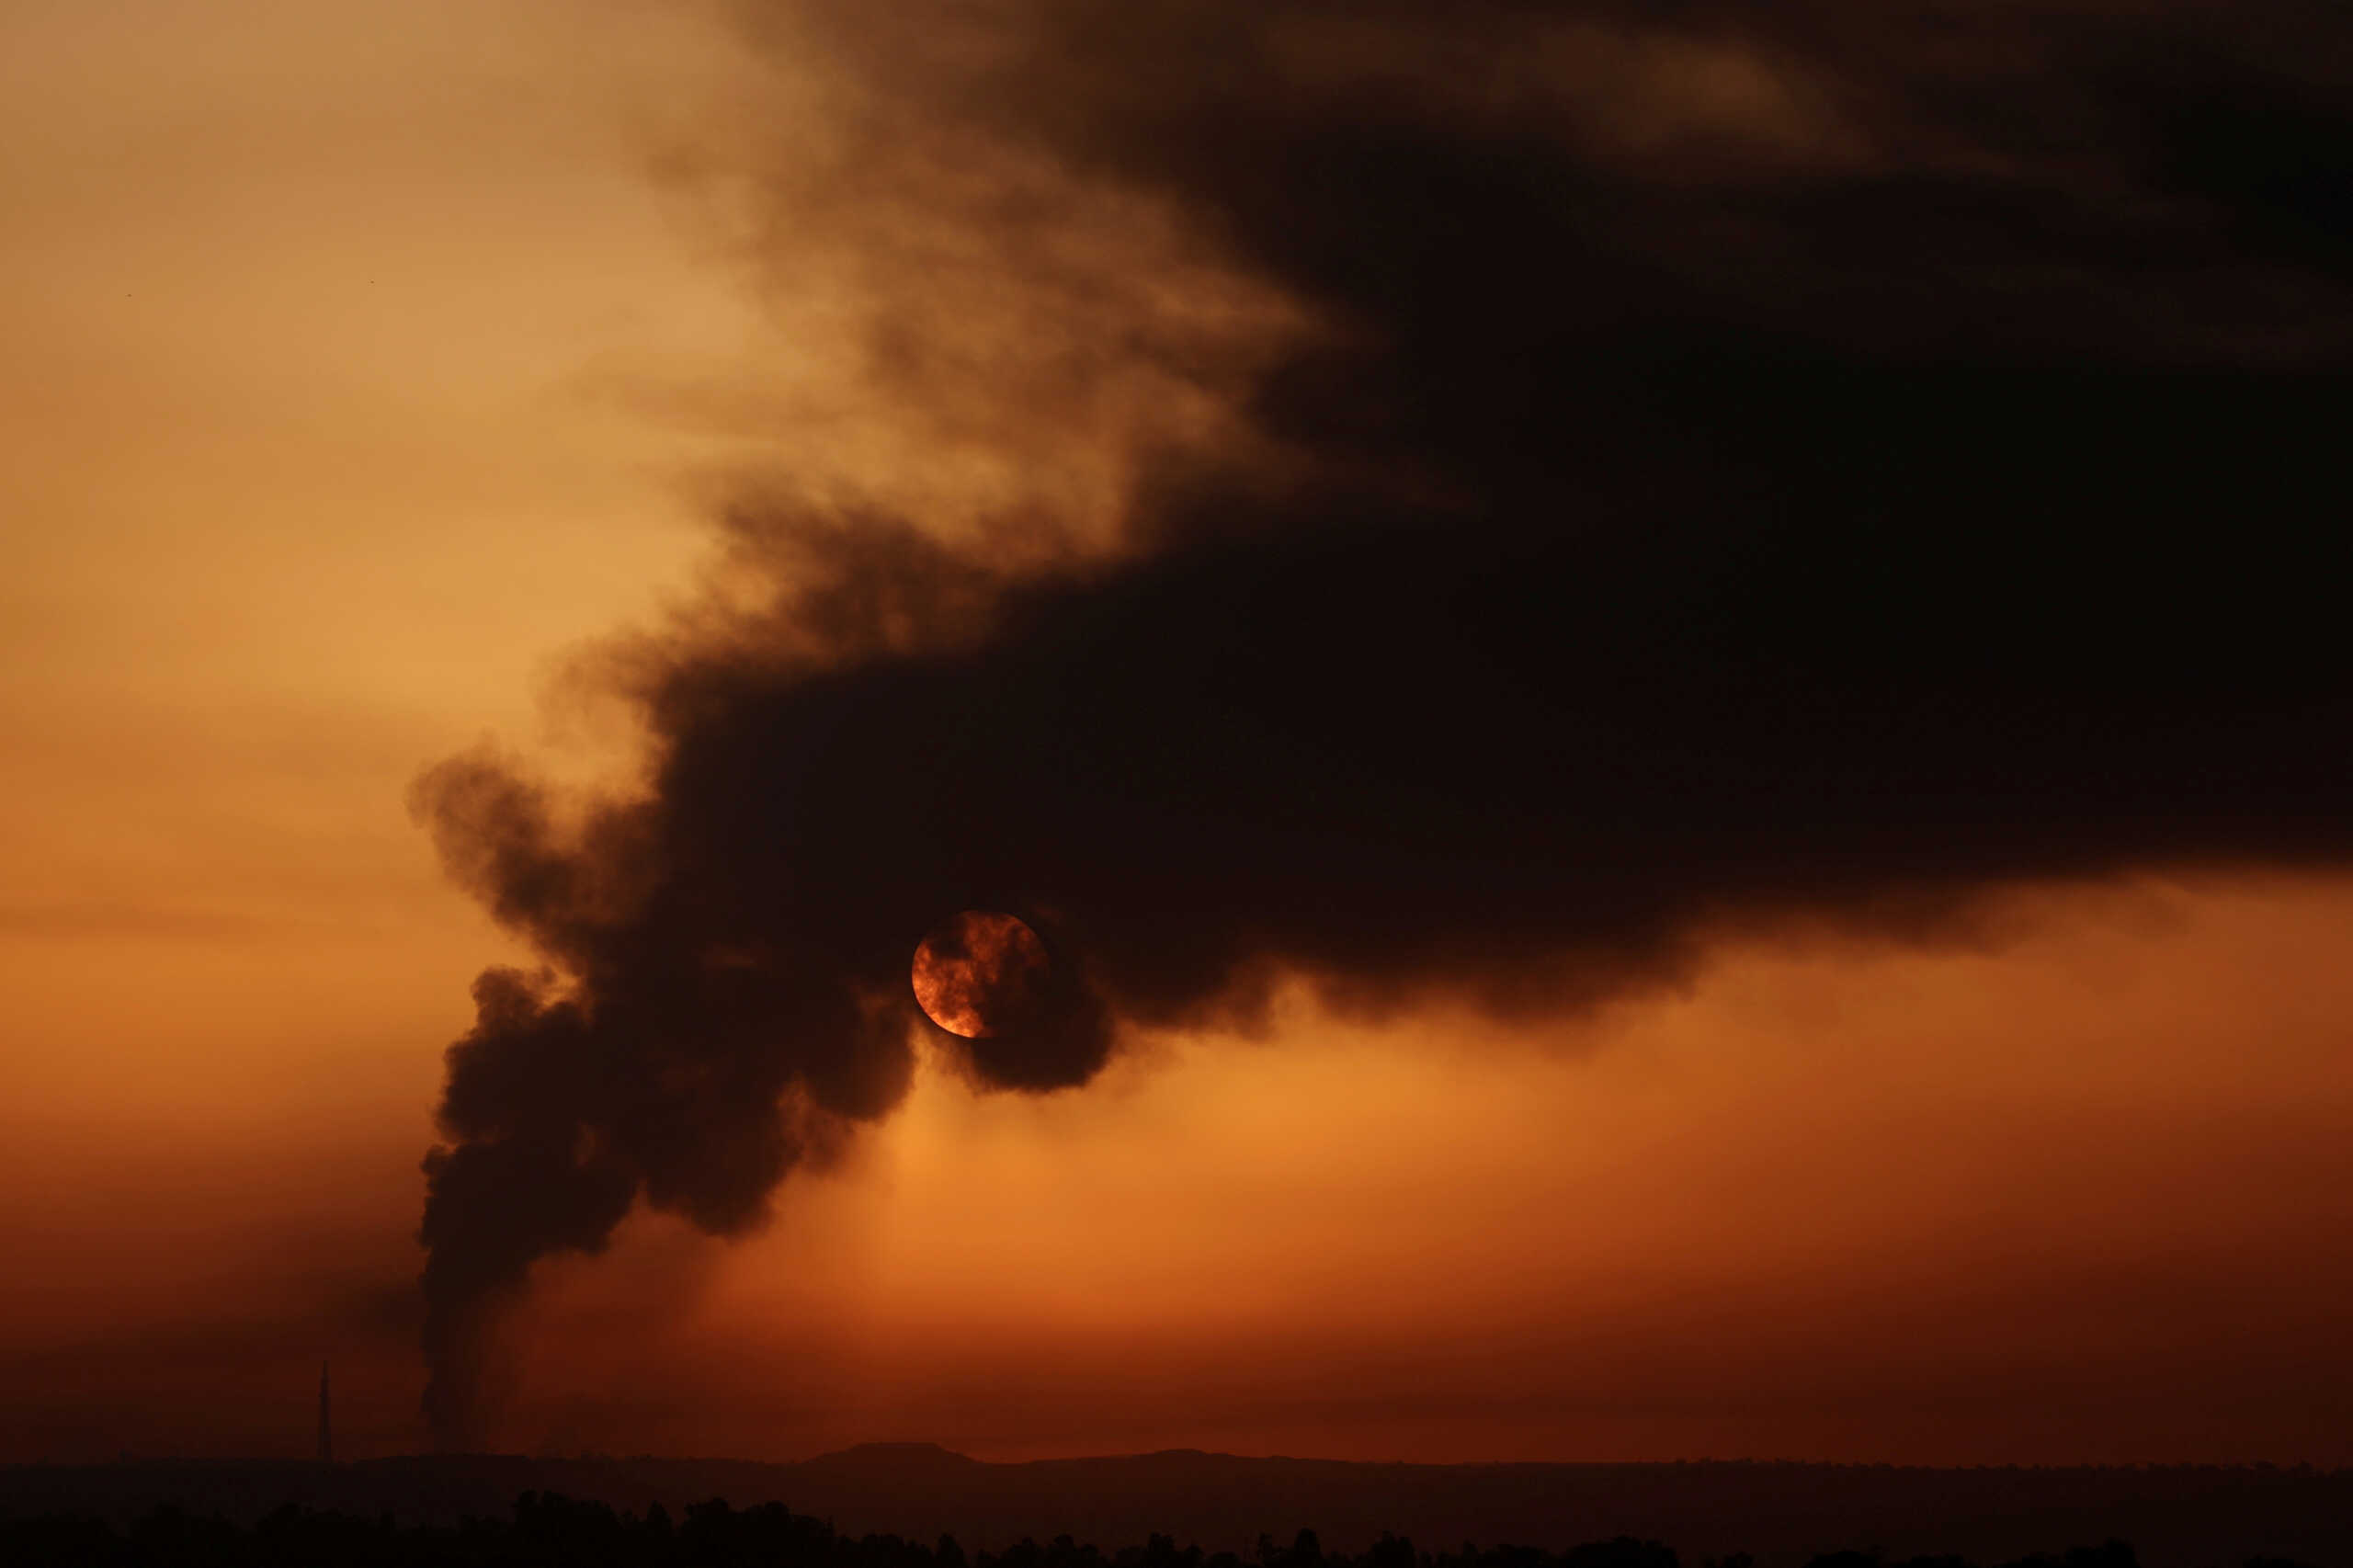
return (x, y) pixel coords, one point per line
(1729, 469)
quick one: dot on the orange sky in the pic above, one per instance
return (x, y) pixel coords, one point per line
(359, 366)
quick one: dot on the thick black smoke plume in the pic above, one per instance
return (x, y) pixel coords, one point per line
(1739, 467)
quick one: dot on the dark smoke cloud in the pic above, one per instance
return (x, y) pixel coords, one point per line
(1742, 469)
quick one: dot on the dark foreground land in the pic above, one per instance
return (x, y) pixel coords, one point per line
(888, 1507)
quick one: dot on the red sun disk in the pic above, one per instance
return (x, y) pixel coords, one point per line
(981, 973)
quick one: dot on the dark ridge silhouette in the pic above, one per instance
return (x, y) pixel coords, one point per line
(1775, 1515)
(895, 1465)
(553, 1529)
(1925, 480)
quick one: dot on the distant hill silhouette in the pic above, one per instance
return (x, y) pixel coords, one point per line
(896, 1465)
(2177, 1516)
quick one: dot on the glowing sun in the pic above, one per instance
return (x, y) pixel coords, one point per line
(981, 974)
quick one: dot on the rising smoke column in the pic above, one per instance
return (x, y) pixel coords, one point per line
(1731, 477)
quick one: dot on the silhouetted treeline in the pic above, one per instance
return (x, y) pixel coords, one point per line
(550, 1531)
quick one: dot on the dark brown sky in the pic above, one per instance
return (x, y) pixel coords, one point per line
(1668, 683)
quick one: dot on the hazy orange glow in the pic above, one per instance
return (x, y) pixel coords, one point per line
(1831, 1205)
(340, 353)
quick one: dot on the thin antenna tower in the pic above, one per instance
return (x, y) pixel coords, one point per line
(326, 1431)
